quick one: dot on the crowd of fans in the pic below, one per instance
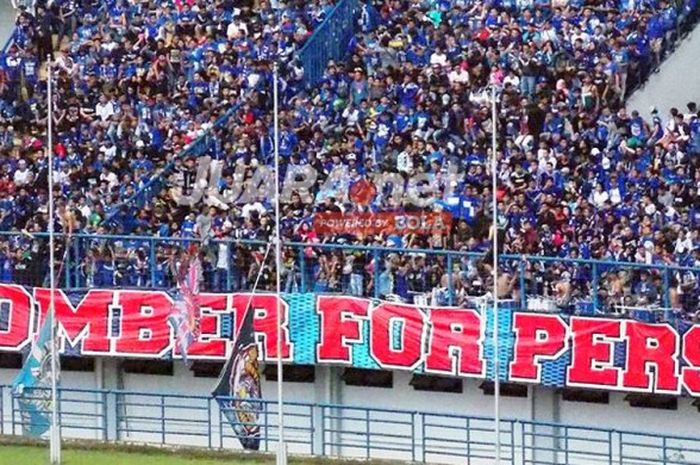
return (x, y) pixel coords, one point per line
(137, 82)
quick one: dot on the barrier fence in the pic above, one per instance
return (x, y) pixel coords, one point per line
(329, 41)
(350, 431)
(651, 292)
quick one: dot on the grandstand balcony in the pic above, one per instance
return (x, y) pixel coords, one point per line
(425, 277)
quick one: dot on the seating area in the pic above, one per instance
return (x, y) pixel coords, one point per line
(139, 84)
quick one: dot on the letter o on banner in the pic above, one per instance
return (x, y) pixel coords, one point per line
(403, 349)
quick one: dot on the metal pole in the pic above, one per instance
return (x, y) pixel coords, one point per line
(494, 206)
(55, 436)
(281, 446)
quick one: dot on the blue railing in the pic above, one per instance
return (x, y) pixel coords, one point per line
(10, 39)
(81, 261)
(329, 41)
(351, 431)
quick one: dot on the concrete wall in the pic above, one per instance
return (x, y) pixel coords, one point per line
(187, 420)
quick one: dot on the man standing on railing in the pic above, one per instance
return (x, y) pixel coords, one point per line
(44, 31)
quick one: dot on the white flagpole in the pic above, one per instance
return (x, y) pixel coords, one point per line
(281, 446)
(55, 436)
(494, 206)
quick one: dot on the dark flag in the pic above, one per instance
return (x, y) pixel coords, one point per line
(238, 391)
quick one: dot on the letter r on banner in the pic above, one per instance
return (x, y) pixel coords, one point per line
(455, 345)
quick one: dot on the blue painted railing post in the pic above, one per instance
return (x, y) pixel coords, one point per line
(667, 287)
(78, 261)
(523, 446)
(469, 442)
(521, 279)
(377, 265)
(162, 420)
(512, 438)
(105, 418)
(664, 451)
(422, 437)
(323, 429)
(230, 261)
(209, 422)
(302, 270)
(450, 281)
(66, 267)
(2, 410)
(117, 418)
(413, 436)
(594, 289)
(12, 412)
(368, 432)
(221, 428)
(619, 445)
(59, 408)
(266, 428)
(312, 427)
(153, 265)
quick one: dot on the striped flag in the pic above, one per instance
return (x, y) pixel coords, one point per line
(32, 386)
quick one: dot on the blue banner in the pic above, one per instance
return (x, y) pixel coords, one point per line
(32, 386)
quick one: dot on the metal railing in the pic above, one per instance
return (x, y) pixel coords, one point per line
(81, 254)
(351, 431)
(329, 40)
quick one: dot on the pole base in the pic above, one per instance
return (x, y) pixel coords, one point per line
(281, 456)
(54, 447)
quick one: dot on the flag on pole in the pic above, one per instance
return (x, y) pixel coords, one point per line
(238, 390)
(185, 315)
(32, 386)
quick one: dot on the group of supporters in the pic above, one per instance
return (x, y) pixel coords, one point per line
(137, 84)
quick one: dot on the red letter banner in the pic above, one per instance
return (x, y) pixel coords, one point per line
(557, 350)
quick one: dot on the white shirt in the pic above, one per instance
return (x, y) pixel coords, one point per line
(222, 256)
(404, 162)
(249, 207)
(512, 80)
(22, 177)
(111, 178)
(615, 196)
(236, 28)
(459, 75)
(62, 177)
(104, 111)
(438, 59)
(599, 198)
(85, 211)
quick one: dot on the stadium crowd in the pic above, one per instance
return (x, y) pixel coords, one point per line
(138, 82)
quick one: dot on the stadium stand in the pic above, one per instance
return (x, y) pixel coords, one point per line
(140, 85)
